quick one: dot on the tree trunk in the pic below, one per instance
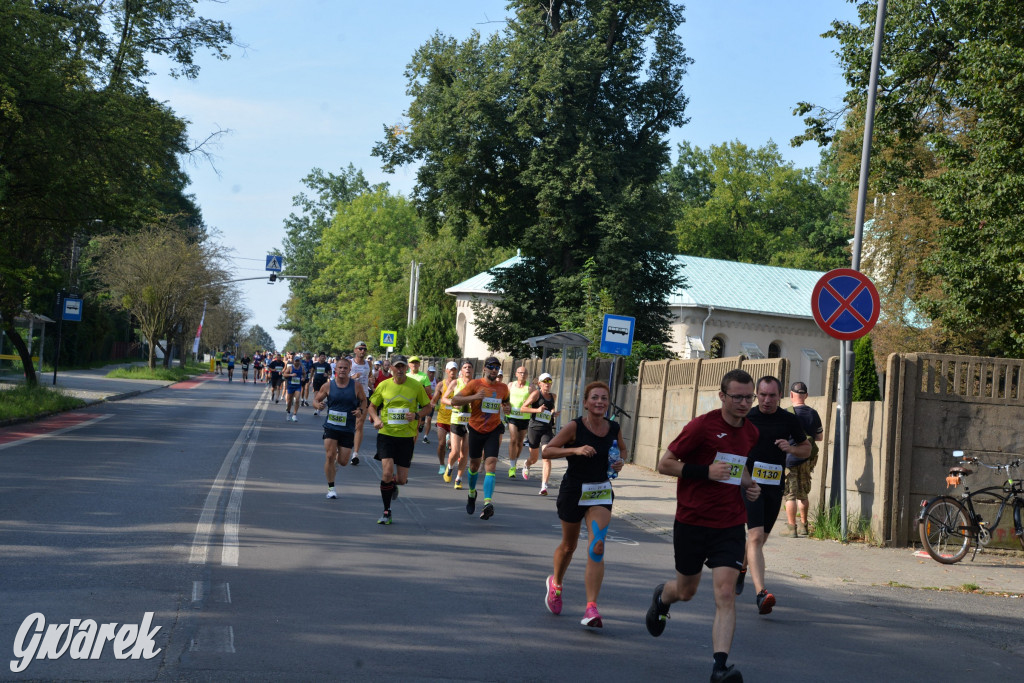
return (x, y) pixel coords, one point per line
(152, 353)
(26, 357)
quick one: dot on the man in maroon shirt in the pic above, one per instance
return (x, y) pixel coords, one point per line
(709, 457)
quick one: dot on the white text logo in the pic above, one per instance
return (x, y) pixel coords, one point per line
(82, 639)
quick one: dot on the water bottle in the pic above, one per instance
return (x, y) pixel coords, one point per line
(613, 457)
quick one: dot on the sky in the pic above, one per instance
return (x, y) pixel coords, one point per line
(311, 84)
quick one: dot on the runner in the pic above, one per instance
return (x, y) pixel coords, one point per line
(361, 373)
(403, 401)
(585, 494)
(540, 405)
(421, 377)
(459, 420)
(779, 433)
(246, 362)
(343, 399)
(307, 375)
(275, 368)
(257, 367)
(710, 513)
(229, 358)
(218, 358)
(431, 387)
(518, 422)
(445, 389)
(293, 375)
(487, 399)
(321, 373)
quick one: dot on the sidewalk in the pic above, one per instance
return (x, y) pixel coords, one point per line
(646, 499)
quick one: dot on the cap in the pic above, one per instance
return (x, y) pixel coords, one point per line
(414, 359)
(452, 365)
(395, 360)
(431, 369)
(491, 360)
(376, 362)
(799, 387)
(545, 377)
(358, 344)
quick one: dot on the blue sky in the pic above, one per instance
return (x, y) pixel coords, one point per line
(318, 79)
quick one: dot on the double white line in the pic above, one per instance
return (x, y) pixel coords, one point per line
(244, 445)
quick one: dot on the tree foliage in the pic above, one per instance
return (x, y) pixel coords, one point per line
(433, 334)
(949, 99)
(551, 137)
(865, 373)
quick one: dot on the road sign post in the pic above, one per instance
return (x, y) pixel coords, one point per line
(845, 305)
(616, 338)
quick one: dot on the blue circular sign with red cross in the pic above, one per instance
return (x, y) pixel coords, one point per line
(845, 304)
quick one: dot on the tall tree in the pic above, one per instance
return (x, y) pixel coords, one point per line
(551, 136)
(951, 78)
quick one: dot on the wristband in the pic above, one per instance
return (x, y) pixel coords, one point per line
(694, 471)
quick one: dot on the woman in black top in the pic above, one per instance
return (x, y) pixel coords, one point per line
(585, 494)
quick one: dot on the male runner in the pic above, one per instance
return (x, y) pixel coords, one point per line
(276, 368)
(780, 433)
(360, 373)
(518, 422)
(445, 389)
(430, 386)
(321, 371)
(421, 377)
(487, 398)
(343, 399)
(229, 358)
(293, 375)
(246, 362)
(709, 457)
(798, 472)
(400, 401)
(307, 375)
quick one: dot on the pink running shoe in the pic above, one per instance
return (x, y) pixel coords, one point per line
(553, 597)
(591, 618)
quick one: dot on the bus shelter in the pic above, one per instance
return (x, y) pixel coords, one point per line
(573, 375)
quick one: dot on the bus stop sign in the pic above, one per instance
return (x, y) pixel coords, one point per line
(845, 304)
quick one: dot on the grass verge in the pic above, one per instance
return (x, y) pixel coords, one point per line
(827, 523)
(175, 374)
(23, 401)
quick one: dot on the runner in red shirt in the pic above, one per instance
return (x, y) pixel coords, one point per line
(709, 457)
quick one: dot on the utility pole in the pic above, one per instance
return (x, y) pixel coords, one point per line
(414, 292)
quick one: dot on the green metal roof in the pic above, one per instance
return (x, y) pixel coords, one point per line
(724, 285)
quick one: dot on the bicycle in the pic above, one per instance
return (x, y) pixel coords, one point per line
(949, 526)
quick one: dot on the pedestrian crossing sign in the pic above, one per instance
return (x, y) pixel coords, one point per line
(387, 337)
(274, 262)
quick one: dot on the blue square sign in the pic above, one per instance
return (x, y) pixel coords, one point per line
(617, 335)
(72, 309)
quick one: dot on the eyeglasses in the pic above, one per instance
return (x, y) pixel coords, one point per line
(493, 366)
(742, 398)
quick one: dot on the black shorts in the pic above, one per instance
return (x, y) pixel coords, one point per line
(459, 430)
(765, 510)
(484, 444)
(344, 439)
(275, 380)
(397, 448)
(568, 504)
(539, 436)
(519, 423)
(700, 545)
(318, 382)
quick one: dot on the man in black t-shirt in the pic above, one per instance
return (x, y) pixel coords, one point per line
(276, 367)
(798, 472)
(779, 433)
(321, 371)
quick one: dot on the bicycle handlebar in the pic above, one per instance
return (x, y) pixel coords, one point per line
(619, 411)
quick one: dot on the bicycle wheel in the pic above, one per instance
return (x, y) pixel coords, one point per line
(945, 531)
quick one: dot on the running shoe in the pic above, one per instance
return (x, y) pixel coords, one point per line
(295, 418)
(512, 472)
(553, 596)
(730, 674)
(317, 413)
(447, 474)
(458, 485)
(425, 439)
(331, 493)
(526, 473)
(591, 617)
(470, 501)
(354, 460)
(765, 602)
(442, 470)
(287, 417)
(488, 511)
(739, 581)
(385, 518)
(657, 613)
(543, 490)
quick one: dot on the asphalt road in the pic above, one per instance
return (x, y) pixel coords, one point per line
(203, 506)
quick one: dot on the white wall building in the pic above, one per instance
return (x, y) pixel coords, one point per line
(726, 309)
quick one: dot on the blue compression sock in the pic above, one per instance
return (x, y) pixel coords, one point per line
(488, 486)
(472, 480)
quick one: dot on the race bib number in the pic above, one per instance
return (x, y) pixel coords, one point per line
(398, 416)
(736, 463)
(544, 416)
(516, 414)
(459, 417)
(321, 371)
(597, 494)
(767, 474)
(337, 418)
(490, 405)
(296, 380)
